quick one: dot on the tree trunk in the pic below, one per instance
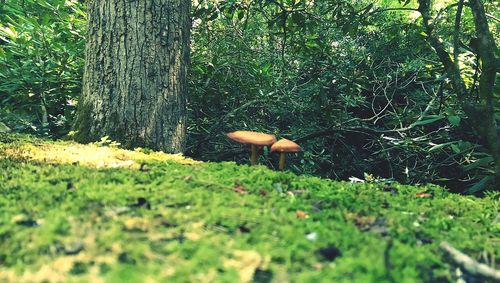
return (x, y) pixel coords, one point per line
(135, 85)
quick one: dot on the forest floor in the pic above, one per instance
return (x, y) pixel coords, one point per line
(94, 213)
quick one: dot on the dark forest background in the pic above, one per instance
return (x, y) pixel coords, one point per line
(355, 83)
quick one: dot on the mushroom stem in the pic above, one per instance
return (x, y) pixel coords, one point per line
(282, 161)
(254, 154)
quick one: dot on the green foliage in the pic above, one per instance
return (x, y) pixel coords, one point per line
(41, 63)
(184, 223)
(357, 86)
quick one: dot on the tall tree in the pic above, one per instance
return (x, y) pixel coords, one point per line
(481, 110)
(134, 85)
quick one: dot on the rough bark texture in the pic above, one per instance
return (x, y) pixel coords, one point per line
(135, 86)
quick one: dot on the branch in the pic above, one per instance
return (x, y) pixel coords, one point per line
(486, 50)
(456, 33)
(450, 67)
(331, 131)
(393, 9)
(468, 264)
(364, 130)
(487, 104)
(492, 17)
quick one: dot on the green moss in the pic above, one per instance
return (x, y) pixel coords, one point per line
(185, 223)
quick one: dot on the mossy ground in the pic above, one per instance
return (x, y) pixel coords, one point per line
(152, 217)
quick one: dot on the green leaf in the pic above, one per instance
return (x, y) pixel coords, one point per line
(241, 14)
(431, 119)
(442, 145)
(368, 8)
(312, 44)
(481, 185)
(350, 28)
(454, 120)
(199, 12)
(478, 163)
(265, 68)
(298, 19)
(213, 16)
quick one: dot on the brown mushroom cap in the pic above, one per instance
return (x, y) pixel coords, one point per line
(248, 137)
(285, 145)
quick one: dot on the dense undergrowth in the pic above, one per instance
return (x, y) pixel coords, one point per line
(143, 219)
(355, 83)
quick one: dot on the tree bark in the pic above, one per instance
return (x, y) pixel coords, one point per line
(135, 85)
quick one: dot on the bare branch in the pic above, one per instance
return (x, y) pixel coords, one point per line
(492, 17)
(393, 9)
(468, 264)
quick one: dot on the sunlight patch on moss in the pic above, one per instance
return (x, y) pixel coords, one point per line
(87, 155)
(245, 263)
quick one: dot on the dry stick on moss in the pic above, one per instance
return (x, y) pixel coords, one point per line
(468, 264)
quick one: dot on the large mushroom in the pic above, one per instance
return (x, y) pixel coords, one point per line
(254, 139)
(283, 146)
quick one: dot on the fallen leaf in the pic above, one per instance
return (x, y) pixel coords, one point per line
(423, 194)
(363, 222)
(239, 188)
(301, 214)
(368, 223)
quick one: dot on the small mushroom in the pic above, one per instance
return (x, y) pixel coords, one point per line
(254, 139)
(283, 146)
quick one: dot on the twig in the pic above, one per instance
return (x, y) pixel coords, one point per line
(394, 9)
(468, 264)
(492, 17)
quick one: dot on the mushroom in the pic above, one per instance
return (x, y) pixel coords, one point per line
(254, 139)
(283, 146)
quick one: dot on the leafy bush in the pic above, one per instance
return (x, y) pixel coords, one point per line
(41, 64)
